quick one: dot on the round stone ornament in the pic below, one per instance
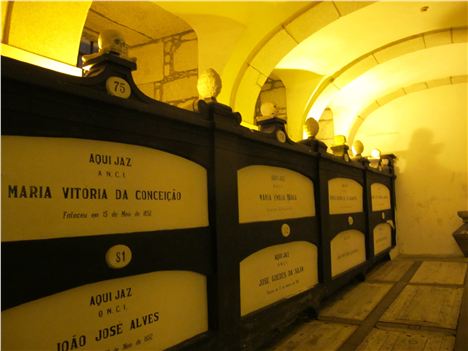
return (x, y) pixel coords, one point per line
(209, 84)
(285, 230)
(281, 136)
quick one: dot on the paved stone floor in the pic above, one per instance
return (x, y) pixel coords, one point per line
(407, 304)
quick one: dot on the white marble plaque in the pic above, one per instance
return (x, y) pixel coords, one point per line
(150, 311)
(348, 249)
(277, 272)
(380, 197)
(58, 187)
(344, 196)
(382, 237)
(268, 193)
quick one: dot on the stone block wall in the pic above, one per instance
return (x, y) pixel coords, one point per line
(326, 128)
(273, 91)
(167, 69)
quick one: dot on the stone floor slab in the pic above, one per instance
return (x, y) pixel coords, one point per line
(356, 303)
(390, 271)
(437, 272)
(433, 306)
(379, 340)
(316, 336)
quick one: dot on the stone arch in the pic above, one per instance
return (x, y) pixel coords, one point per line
(382, 101)
(262, 61)
(346, 74)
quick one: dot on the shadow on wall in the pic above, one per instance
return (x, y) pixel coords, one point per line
(425, 190)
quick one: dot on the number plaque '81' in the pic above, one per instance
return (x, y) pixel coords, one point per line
(118, 256)
(117, 86)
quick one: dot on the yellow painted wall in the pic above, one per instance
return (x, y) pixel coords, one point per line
(49, 29)
(5, 12)
(427, 130)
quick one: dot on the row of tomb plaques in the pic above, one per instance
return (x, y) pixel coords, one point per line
(85, 188)
(267, 193)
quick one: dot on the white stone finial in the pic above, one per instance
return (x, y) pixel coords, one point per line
(209, 84)
(375, 159)
(358, 148)
(375, 154)
(112, 41)
(312, 127)
(268, 110)
(340, 140)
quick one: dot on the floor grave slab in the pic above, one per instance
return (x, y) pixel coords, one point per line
(432, 306)
(436, 272)
(355, 303)
(380, 339)
(317, 336)
(390, 271)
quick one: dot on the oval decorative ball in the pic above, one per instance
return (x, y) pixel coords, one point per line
(312, 127)
(268, 109)
(358, 147)
(209, 84)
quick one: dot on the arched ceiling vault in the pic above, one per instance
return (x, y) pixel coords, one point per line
(386, 99)
(283, 37)
(356, 68)
(376, 50)
(428, 64)
(441, 54)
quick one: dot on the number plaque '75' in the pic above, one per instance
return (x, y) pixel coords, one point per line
(117, 86)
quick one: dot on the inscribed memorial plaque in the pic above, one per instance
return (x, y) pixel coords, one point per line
(382, 237)
(150, 311)
(344, 196)
(58, 187)
(380, 197)
(268, 193)
(347, 250)
(275, 273)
